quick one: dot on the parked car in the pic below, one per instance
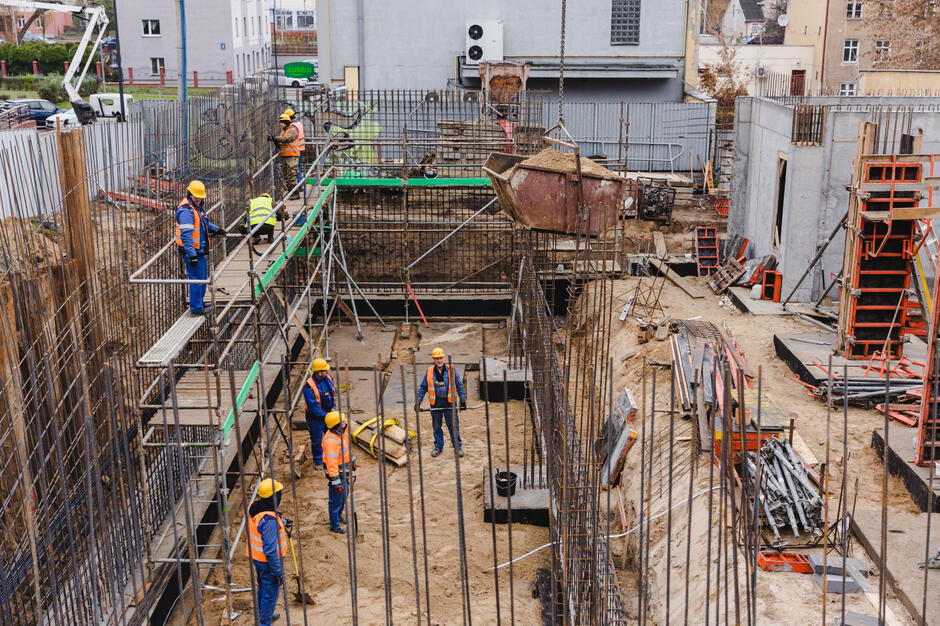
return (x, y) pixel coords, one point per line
(315, 91)
(39, 110)
(66, 119)
(282, 80)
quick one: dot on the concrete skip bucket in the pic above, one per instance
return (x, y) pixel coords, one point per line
(540, 192)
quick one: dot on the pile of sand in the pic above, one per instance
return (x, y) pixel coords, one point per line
(552, 159)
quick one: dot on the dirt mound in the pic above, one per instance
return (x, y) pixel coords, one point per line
(552, 159)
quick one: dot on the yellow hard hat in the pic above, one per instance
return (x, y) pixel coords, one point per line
(265, 195)
(437, 353)
(284, 117)
(289, 112)
(268, 487)
(196, 189)
(333, 418)
(319, 365)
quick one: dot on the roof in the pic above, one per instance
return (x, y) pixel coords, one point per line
(753, 12)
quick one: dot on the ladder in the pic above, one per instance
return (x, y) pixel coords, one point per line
(706, 249)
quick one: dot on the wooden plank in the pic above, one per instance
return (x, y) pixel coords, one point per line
(906, 213)
(660, 242)
(693, 291)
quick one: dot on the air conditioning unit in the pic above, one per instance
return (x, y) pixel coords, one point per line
(484, 41)
(762, 71)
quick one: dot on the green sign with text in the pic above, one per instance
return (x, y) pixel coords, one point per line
(300, 70)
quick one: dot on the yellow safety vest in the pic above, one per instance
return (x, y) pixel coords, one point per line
(261, 209)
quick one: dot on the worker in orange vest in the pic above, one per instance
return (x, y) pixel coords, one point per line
(289, 142)
(340, 465)
(443, 387)
(192, 240)
(299, 125)
(268, 534)
(320, 398)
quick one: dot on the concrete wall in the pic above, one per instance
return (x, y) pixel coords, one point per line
(415, 45)
(900, 82)
(815, 198)
(212, 45)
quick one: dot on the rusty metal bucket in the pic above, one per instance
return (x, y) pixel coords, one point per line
(545, 198)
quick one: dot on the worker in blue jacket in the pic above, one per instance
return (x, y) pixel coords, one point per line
(320, 398)
(192, 240)
(268, 534)
(443, 386)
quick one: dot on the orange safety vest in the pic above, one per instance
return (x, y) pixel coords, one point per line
(316, 390)
(293, 148)
(335, 451)
(451, 387)
(300, 133)
(255, 545)
(197, 227)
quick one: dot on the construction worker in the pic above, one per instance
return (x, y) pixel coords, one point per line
(268, 534)
(443, 386)
(299, 126)
(320, 398)
(339, 466)
(261, 211)
(290, 143)
(192, 241)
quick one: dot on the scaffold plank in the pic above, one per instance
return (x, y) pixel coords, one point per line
(172, 341)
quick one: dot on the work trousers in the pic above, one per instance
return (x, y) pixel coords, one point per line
(263, 230)
(317, 428)
(289, 172)
(267, 592)
(198, 272)
(438, 416)
(337, 503)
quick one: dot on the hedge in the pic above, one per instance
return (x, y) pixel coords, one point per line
(51, 56)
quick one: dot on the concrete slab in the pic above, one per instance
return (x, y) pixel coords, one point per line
(529, 502)
(344, 346)
(800, 351)
(905, 552)
(491, 386)
(463, 343)
(901, 464)
(857, 619)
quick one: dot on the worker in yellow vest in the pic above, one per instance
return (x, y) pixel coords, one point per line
(289, 143)
(443, 387)
(262, 218)
(268, 533)
(340, 465)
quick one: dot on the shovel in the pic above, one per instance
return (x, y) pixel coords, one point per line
(300, 595)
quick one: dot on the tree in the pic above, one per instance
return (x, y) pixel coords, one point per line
(720, 81)
(912, 29)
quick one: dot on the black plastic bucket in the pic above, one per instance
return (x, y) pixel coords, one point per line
(505, 483)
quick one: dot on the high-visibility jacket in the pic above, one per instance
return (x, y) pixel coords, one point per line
(261, 209)
(451, 386)
(255, 543)
(316, 390)
(195, 227)
(335, 451)
(291, 148)
(300, 133)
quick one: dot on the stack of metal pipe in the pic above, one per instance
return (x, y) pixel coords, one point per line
(787, 495)
(865, 390)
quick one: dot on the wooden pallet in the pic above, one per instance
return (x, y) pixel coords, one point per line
(725, 276)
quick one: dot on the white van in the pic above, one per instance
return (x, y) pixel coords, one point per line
(109, 104)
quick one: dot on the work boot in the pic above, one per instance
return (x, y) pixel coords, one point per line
(338, 531)
(435, 452)
(275, 617)
(460, 452)
(318, 466)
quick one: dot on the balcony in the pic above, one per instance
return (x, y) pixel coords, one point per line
(300, 42)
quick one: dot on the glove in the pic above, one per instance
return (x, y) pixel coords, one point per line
(194, 260)
(417, 407)
(336, 485)
(279, 578)
(288, 525)
(221, 231)
(463, 405)
(271, 138)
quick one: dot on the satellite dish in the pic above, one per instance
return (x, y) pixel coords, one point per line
(783, 20)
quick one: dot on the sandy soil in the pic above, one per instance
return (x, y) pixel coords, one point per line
(782, 597)
(325, 557)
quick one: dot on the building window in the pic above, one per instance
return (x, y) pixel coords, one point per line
(307, 20)
(754, 28)
(850, 51)
(882, 49)
(846, 89)
(236, 27)
(624, 22)
(283, 19)
(853, 10)
(887, 9)
(245, 26)
(151, 28)
(156, 64)
(20, 22)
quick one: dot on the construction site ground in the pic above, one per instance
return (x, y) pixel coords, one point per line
(781, 597)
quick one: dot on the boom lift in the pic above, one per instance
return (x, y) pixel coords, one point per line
(97, 21)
